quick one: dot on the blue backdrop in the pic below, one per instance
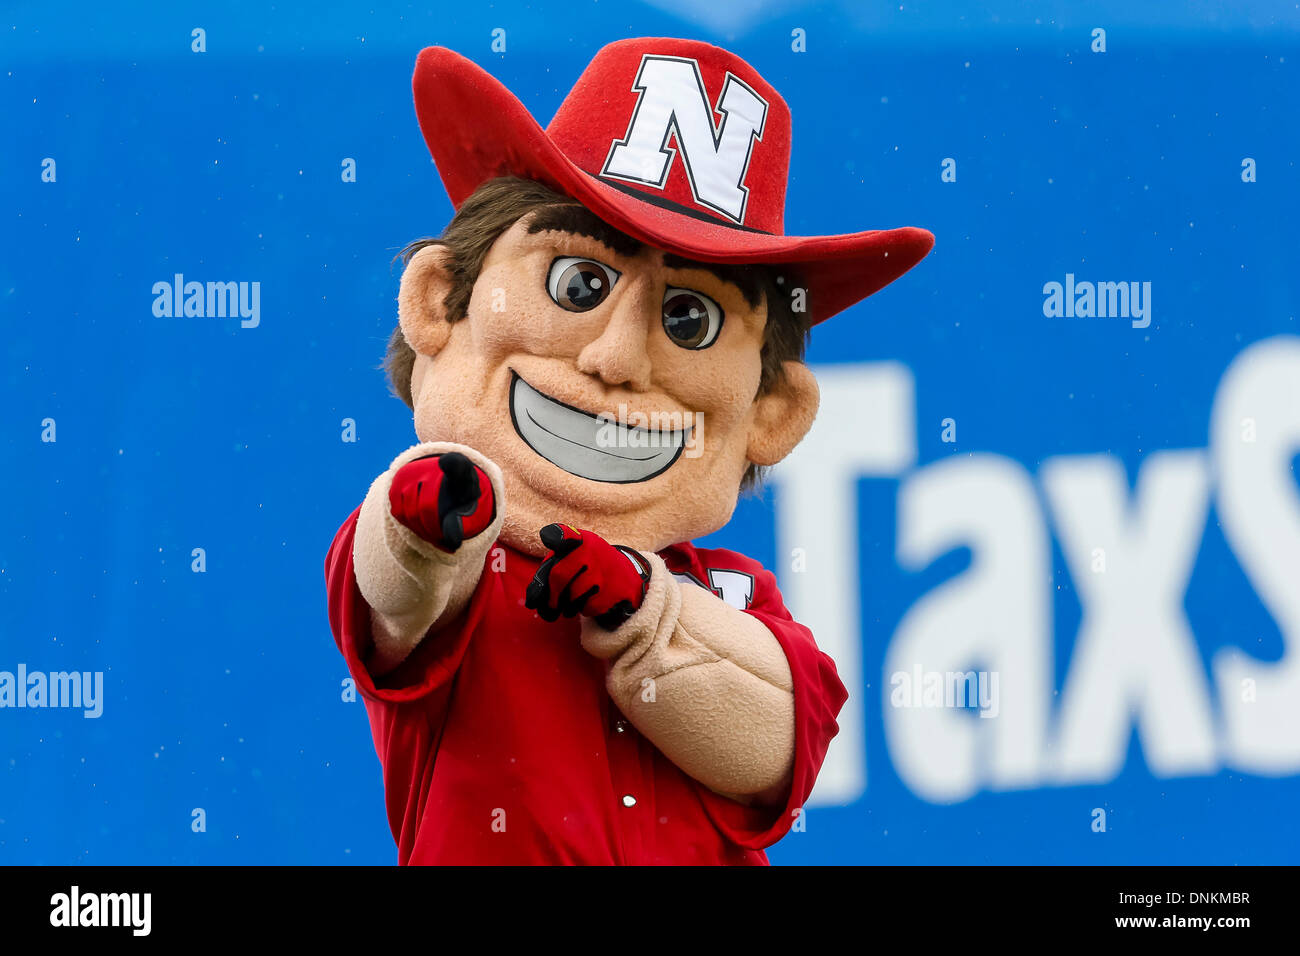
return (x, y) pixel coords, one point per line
(1101, 516)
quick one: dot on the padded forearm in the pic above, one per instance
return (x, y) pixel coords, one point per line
(708, 684)
(411, 585)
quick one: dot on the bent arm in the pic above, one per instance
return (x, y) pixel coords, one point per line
(411, 585)
(706, 683)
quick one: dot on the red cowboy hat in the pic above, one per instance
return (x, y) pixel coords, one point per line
(677, 143)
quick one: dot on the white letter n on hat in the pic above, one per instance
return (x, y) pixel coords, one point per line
(673, 100)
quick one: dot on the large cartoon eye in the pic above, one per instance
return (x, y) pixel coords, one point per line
(691, 320)
(579, 285)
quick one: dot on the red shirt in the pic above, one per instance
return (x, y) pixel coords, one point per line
(500, 744)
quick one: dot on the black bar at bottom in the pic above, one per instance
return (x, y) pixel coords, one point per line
(372, 905)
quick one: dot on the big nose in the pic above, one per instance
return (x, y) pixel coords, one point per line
(619, 356)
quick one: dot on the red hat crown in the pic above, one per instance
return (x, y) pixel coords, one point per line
(677, 143)
(684, 125)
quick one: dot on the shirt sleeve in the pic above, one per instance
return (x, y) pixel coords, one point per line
(818, 696)
(430, 666)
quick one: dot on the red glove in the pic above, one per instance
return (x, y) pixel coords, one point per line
(585, 574)
(443, 498)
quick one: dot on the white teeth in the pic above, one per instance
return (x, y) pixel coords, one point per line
(587, 446)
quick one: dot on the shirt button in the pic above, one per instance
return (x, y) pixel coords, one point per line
(629, 800)
(620, 726)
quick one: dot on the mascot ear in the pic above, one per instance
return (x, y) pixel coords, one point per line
(783, 416)
(420, 310)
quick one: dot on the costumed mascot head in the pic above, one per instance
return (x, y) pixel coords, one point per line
(615, 315)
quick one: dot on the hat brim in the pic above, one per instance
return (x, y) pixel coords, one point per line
(477, 130)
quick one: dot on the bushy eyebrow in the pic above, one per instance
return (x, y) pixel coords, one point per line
(581, 221)
(748, 279)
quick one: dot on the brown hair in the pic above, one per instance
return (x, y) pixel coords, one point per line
(499, 203)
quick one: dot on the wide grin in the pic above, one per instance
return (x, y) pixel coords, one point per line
(598, 448)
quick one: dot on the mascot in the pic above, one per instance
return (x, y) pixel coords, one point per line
(602, 352)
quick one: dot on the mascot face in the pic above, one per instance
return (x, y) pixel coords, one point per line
(616, 386)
